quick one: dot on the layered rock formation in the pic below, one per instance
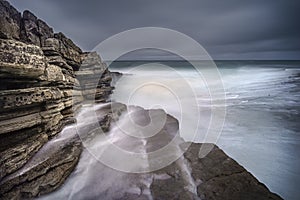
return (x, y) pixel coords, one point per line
(36, 102)
(39, 95)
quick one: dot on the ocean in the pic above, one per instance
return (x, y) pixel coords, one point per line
(259, 104)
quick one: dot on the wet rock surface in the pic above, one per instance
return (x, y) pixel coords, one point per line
(215, 176)
(193, 175)
(221, 177)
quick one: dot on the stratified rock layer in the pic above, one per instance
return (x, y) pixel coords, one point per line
(35, 101)
(39, 96)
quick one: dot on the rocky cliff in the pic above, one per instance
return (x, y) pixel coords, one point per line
(39, 95)
(44, 78)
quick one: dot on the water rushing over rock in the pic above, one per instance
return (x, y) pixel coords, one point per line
(216, 176)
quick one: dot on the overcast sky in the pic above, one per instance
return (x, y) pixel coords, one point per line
(227, 29)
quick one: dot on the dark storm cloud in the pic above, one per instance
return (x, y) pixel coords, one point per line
(230, 29)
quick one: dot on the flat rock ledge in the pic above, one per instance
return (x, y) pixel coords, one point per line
(216, 177)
